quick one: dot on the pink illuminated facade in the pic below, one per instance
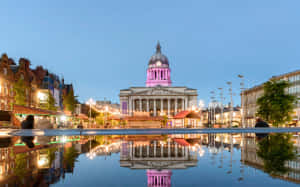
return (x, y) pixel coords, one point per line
(159, 178)
(158, 72)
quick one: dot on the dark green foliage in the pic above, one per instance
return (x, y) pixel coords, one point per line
(70, 157)
(51, 102)
(20, 93)
(69, 101)
(275, 106)
(275, 150)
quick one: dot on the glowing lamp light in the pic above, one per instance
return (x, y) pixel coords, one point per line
(64, 139)
(90, 102)
(42, 162)
(63, 118)
(41, 96)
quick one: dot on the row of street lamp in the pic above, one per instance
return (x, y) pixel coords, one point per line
(222, 98)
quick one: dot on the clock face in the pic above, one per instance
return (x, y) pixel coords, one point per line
(158, 63)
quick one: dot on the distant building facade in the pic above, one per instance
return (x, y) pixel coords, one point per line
(159, 97)
(37, 83)
(251, 95)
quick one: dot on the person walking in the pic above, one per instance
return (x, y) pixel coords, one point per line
(28, 123)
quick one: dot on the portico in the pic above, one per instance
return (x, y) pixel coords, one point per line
(157, 101)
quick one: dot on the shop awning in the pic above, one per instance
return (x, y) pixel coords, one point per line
(181, 141)
(18, 109)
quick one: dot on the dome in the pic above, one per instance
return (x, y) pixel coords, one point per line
(158, 56)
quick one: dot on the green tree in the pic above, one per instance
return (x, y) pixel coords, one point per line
(20, 168)
(275, 106)
(20, 93)
(69, 101)
(70, 157)
(275, 150)
(50, 105)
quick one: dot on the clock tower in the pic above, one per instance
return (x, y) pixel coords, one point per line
(158, 72)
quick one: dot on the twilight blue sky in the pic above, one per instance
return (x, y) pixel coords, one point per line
(104, 46)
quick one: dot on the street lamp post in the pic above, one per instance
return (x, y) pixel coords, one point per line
(221, 103)
(90, 102)
(212, 118)
(242, 99)
(231, 102)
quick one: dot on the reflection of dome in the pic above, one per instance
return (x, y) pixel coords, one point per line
(159, 178)
(158, 56)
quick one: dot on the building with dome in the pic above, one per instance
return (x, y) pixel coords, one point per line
(158, 97)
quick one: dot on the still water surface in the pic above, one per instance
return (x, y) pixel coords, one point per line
(151, 160)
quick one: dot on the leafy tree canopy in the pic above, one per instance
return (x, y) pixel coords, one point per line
(20, 92)
(69, 101)
(275, 106)
(275, 150)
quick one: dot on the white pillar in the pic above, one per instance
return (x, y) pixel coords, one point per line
(141, 147)
(168, 107)
(161, 105)
(175, 106)
(186, 103)
(169, 149)
(154, 107)
(148, 151)
(133, 106)
(176, 151)
(154, 151)
(140, 105)
(147, 105)
(130, 149)
(130, 106)
(133, 152)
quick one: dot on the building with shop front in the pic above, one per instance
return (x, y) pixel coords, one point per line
(250, 96)
(158, 97)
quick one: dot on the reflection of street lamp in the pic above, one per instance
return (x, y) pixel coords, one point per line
(242, 99)
(106, 110)
(90, 102)
(231, 102)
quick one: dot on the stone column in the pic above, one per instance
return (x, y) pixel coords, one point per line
(130, 106)
(186, 103)
(162, 150)
(182, 100)
(130, 149)
(169, 149)
(133, 152)
(154, 107)
(168, 107)
(147, 105)
(161, 105)
(154, 151)
(141, 153)
(176, 151)
(148, 151)
(141, 105)
(175, 106)
(133, 106)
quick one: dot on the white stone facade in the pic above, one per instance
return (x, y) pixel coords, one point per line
(157, 101)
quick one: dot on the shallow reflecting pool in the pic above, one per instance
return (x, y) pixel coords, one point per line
(151, 160)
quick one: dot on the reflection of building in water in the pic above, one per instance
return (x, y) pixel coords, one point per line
(159, 178)
(158, 158)
(156, 155)
(39, 166)
(250, 158)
